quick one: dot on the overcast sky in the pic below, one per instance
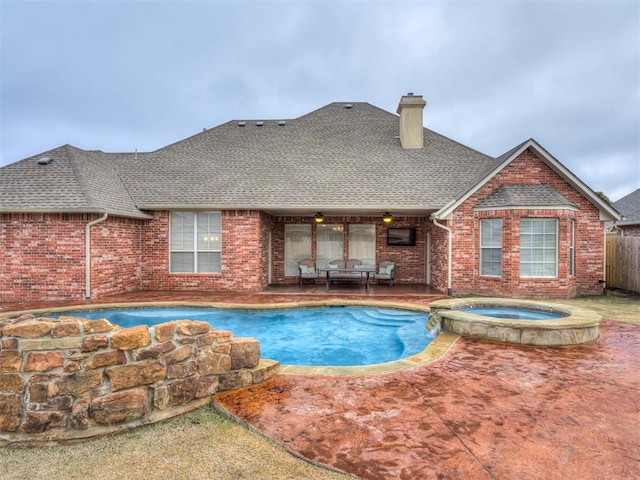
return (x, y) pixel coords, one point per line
(125, 75)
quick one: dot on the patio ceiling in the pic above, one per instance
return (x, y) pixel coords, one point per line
(349, 212)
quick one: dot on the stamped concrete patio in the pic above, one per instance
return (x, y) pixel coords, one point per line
(481, 411)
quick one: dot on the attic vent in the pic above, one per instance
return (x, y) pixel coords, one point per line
(348, 106)
(259, 124)
(282, 123)
(242, 124)
(45, 161)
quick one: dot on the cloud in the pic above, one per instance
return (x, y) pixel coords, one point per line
(137, 74)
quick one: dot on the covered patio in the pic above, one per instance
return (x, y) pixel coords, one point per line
(279, 293)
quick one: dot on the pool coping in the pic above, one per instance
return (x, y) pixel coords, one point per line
(436, 349)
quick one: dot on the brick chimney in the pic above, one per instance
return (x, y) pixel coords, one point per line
(411, 129)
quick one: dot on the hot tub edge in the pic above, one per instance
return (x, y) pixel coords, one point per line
(579, 326)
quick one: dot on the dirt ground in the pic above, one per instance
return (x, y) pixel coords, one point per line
(615, 305)
(198, 445)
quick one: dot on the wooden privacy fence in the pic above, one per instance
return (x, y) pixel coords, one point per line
(623, 263)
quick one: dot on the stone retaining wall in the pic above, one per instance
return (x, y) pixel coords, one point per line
(69, 378)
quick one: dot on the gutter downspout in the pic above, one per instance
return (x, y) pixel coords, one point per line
(603, 282)
(87, 254)
(449, 289)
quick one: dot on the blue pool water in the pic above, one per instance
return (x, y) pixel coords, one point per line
(513, 313)
(328, 336)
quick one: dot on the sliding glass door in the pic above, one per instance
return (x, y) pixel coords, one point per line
(297, 246)
(330, 244)
(362, 244)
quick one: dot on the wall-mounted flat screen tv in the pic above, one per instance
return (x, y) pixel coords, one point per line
(401, 237)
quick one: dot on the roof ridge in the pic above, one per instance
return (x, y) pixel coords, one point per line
(332, 104)
(497, 161)
(458, 143)
(89, 166)
(629, 196)
(507, 192)
(190, 137)
(126, 189)
(90, 199)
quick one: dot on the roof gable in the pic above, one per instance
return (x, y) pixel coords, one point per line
(607, 212)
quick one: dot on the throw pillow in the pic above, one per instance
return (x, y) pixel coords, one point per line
(385, 270)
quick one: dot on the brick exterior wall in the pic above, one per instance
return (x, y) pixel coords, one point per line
(411, 262)
(116, 256)
(439, 255)
(44, 254)
(589, 241)
(244, 255)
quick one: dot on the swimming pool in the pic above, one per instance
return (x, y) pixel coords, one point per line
(322, 336)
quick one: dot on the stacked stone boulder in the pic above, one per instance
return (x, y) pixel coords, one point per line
(70, 378)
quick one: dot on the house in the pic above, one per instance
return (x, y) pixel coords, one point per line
(234, 208)
(629, 207)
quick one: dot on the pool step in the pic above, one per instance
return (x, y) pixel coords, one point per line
(245, 377)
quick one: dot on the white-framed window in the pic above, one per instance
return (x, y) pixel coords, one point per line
(195, 242)
(538, 247)
(491, 247)
(329, 244)
(362, 244)
(297, 247)
(572, 248)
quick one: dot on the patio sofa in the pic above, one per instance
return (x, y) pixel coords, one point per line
(342, 276)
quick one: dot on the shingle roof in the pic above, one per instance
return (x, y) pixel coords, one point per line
(512, 196)
(629, 207)
(332, 158)
(75, 181)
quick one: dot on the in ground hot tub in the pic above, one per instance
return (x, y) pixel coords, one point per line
(516, 321)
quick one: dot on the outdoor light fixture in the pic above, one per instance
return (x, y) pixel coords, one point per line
(386, 217)
(319, 217)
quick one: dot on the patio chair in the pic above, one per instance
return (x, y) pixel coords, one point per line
(386, 272)
(307, 270)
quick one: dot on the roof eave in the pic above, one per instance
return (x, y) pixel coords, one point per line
(284, 210)
(529, 207)
(114, 213)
